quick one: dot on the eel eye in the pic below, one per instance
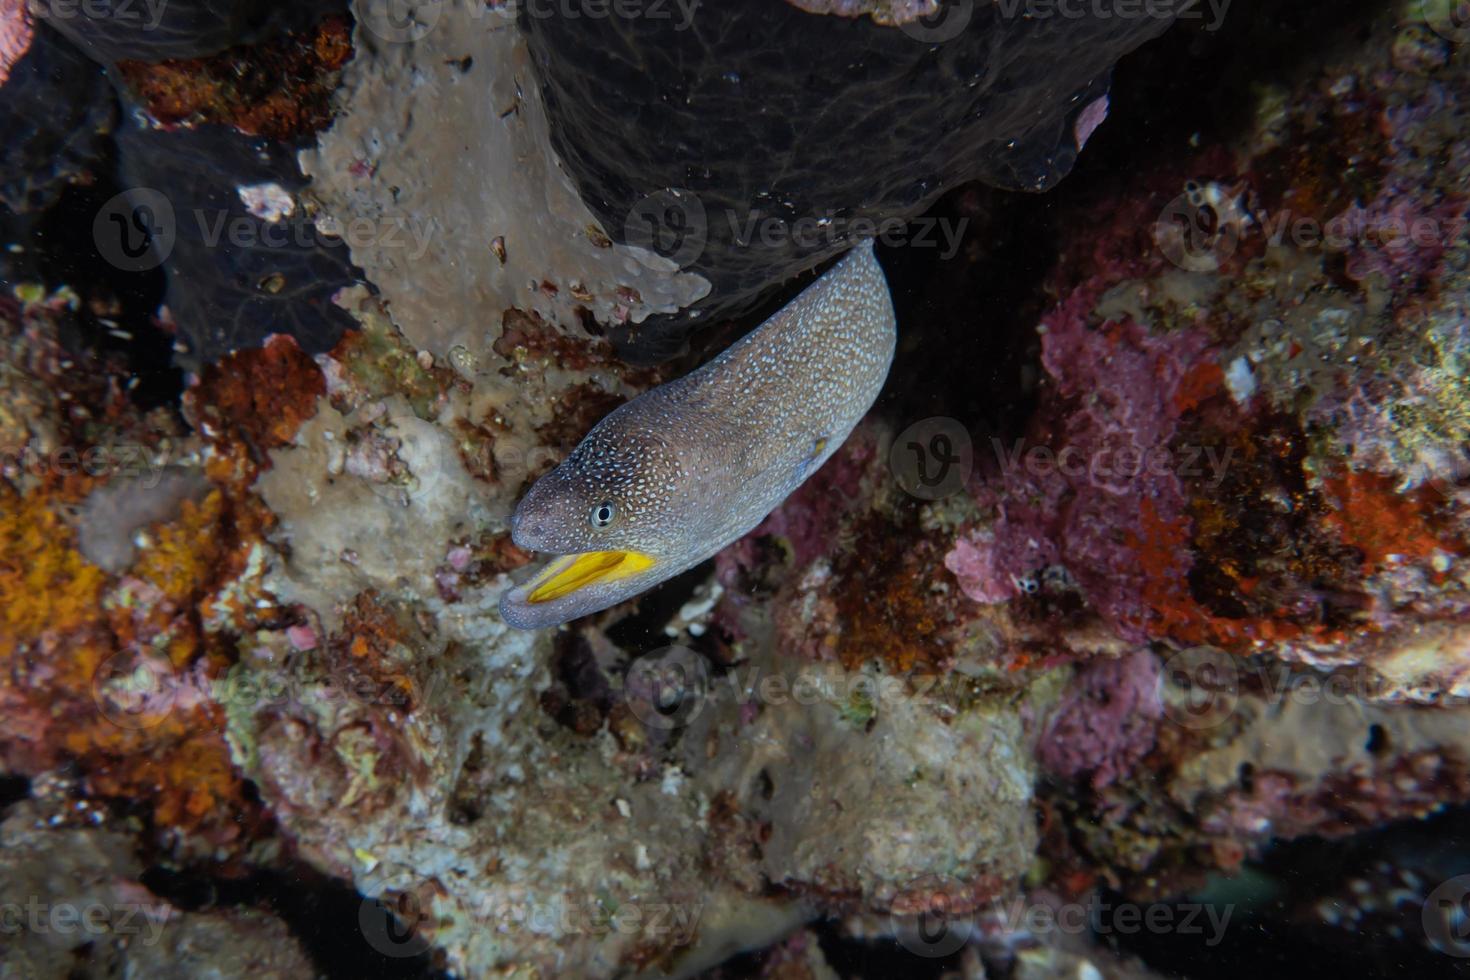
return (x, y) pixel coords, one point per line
(602, 514)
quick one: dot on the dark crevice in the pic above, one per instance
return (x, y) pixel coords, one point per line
(13, 789)
(116, 317)
(337, 926)
(644, 630)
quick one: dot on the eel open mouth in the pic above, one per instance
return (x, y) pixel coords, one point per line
(568, 573)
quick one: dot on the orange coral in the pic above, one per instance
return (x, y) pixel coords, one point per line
(181, 560)
(367, 652)
(260, 396)
(44, 583)
(888, 609)
(1178, 615)
(1201, 383)
(279, 88)
(1385, 526)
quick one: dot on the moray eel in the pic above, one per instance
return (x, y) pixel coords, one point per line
(671, 477)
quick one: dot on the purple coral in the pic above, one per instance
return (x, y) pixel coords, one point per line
(1106, 721)
(1099, 456)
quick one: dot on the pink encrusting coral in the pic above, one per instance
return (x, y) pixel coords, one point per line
(1100, 450)
(1399, 239)
(1106, 721)
(15, 35)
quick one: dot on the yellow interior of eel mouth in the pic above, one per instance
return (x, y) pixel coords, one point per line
(569, 573)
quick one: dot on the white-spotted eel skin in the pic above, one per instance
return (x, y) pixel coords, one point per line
(668, 479)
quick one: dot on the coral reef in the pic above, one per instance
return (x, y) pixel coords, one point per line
(73, 907)
(1187, 590)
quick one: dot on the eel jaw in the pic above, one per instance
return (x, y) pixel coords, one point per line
(575, 585)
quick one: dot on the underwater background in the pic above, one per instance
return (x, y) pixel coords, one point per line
(1127, 635)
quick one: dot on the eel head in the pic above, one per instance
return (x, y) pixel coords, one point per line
(610, 518)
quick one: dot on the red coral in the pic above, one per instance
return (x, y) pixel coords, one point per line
(1385, 526)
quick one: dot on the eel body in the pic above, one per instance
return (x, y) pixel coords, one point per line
(668, 479)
